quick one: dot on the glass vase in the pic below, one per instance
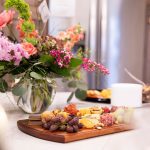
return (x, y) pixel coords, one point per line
(37, 96)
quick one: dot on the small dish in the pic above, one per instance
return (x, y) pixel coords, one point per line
(97, 98)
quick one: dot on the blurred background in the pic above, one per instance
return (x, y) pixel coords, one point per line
(117, 32)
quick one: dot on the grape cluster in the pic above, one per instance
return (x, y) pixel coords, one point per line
(69, 124)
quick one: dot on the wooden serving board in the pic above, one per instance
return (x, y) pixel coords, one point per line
(64, 137)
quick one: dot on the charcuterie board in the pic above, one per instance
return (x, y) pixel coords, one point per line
(64, 137)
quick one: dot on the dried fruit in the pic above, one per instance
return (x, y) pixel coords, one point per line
(72, 109)
(106, 109)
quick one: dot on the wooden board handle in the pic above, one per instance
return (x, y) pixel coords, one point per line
(35, 117)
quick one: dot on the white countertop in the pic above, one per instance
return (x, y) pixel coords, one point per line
(138, 139)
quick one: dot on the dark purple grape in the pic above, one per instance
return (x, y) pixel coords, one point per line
(80, 125)
(71, 122)
(74, 121)
(53, 127)
(55, 119)
(75, 128)
(71, 115)
(69, 129)
(45, 126)
(68, 118)
(62, 128)
(62, 120)
(49, 123)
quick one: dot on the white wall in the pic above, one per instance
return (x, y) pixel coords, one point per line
(81, 15)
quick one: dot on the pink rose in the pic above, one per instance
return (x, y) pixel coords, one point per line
(29, 48)
(6, 18)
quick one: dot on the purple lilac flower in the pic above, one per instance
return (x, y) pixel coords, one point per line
(91, 66)
(62, 57)
(11, 52)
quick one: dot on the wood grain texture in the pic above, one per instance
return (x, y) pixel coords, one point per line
(63, 137)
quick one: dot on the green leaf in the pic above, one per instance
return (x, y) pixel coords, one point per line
(47, 59)
(35, 75)
(1, 68)
(80, 94)
(3, 86)
(60, 71)
(70, 97)
(40, 70)
(18, 70)
(21, 68)
(3, 63)
(18, 90)
(75, 62)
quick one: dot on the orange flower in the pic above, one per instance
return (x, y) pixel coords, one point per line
(68, 46)
(18, 27)
(29, 48)
(33, 34)
(6, 18)
(71, 36)
(22, 34)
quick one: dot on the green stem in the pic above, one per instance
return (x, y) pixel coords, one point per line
(34, 99)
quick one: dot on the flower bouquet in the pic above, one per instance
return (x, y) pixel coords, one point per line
(33, 61)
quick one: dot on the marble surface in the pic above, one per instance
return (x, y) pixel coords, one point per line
(138, 139)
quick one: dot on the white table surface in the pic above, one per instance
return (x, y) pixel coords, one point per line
(138, 139)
